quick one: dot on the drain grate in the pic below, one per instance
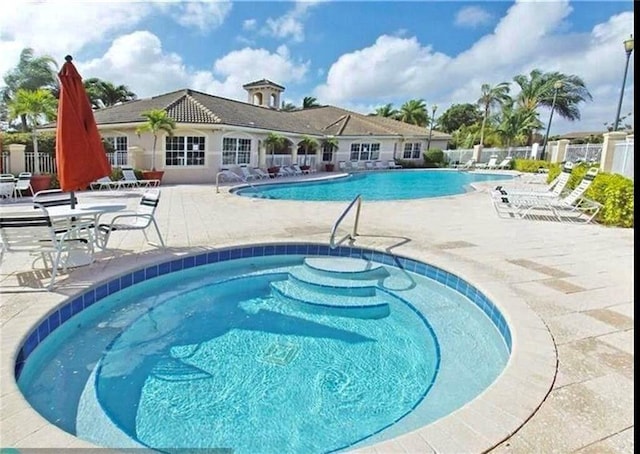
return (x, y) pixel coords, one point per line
(279, 353)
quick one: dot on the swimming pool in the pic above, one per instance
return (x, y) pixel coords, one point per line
(375, 185)
(225, 349)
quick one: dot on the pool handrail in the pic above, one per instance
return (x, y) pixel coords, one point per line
(351, 236)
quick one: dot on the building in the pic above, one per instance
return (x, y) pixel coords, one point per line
(213, 133)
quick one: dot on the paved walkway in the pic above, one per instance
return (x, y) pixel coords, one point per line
(567, 290)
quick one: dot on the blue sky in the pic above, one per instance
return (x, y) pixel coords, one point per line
(354, 54)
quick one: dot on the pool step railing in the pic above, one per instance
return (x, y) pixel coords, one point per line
(351, 236)
(336, 286)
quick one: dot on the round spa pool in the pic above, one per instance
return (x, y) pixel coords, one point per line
(271, 349)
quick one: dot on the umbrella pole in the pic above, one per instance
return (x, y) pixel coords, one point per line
(73, 200)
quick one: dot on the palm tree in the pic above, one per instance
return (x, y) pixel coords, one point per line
(414, 112)
(490, 97)
(309, 101)
(103, 93)
(516, 124)
(273, 141)
(288, 107)
(31, 73)
(33, 106)
(387, 111)
(157, 120)
(307, 143)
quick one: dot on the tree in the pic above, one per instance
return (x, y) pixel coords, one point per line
(31, 73)
(329, 144)
(458, 115)
(307, 143)
(387, 111)
(157, 120)
(309, 101)
(33, 106)
(490, 97)
(288, 107)
(103, 93)
(516, 124)
(273, 141)
(414, 112)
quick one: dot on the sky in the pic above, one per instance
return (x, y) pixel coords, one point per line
(358, 55)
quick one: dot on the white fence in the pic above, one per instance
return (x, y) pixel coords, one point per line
(588, 152)
(623, 159)
(463, 155)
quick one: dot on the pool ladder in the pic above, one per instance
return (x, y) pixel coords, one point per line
(357, 202)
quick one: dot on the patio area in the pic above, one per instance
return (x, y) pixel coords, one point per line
(568, 287)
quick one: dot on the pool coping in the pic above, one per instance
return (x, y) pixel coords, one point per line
(528, 375)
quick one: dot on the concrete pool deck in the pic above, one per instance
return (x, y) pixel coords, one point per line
(567, 290)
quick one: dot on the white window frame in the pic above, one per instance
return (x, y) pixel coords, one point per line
(190, 151)
(236, 151)
(120, 155)
(365, 151)
(412, 150)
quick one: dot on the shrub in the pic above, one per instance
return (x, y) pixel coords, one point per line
(531, 165)
(615, 193)
(434, 158)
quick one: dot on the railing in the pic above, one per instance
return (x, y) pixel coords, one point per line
(350, 236)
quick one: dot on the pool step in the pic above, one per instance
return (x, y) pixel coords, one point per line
(333, 285)
(346, 267)
(307, 299)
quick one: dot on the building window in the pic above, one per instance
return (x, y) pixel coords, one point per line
(365, 152)
(120, 145)
(328, 152)
(236, 151)
(412, 150)
(184, 151)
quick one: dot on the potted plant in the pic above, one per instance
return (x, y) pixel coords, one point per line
(158, 120)
(307, 143)
(329, 166)
(329, 144)
(33, 105)
(273, 141)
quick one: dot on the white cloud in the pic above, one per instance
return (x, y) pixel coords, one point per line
(249, 24)
(202, 15)
(472, 16)
(290, 25)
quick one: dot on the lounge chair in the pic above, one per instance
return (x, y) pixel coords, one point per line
(368, 165)
(129, 175)
(379, 165)
(342, 166)
(491, 164)
(23, 184)
(392, 164)
(355, 166)
(108, 183)
(230, 175)
(246, 173)
(574, 204)
(297, 170)
(469, 165)
(261, 174)
(505, 164)
(7, 186)
(141, 219)
(554, 189)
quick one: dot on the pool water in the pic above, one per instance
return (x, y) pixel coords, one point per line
(373, 186)
(265, 354)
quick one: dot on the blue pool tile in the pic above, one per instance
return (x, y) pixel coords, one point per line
(235, 254)
(164, 268)
(213, 257)
(65, 313)
(54, 321)
(189, 262)
(257, 251)
(77, 305)
(114, 286)
(126, 280)
(150, 272)
(269, 250)
(30, 344)
(200, 259)
(224, 255)
(281, 249)
(101, 292)
(302, 249)
(432, 272)
(88, 298)
(247, 252)
(313, 249)
(43, 330)
(18, 368)
(138, 276)
(176, 265)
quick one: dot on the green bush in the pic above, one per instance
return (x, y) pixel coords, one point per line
(407, 164)
(530, 165)
(434, 158)
(615, 193)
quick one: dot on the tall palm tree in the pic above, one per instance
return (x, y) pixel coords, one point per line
(309, 101)
(288, 107)
(33, 106)
(414, 112)
(387, 111)
(489, 98)
(516, 123)
(307, 143)
(31, 73)
(273, 141)
(158, 120)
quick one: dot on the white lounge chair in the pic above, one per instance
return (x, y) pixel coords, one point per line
(392, 164)
(23, 184)
(469, 165)
(505, 164)
(379, 165)
(573, 205)
(355, 166)
(491, 164)
(554, 189)
(129, 175)
(261, 173)
(342, 166)
(141, 219)
(246, 173)
(229, 175)
(368, 165)
(108, 183)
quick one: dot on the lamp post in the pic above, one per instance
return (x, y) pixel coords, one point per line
(433, 115)
(556, 86)
(628, 48)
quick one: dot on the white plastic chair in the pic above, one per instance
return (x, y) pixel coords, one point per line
(141, 219)
(33, 232)
(129, 175)
(23, 184)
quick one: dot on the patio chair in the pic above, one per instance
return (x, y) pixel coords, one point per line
(261, 174)
(342, 166)
(505, 164)
(368, 165)
(491, 164)
(392, 164)
(573, 203)
(354, 165)
(553, 189)
(469, 165)
(379, 165)
(7, 187)
(285, 171)
(57, 197)
(246, 173)
(141, 219)
(108, 183)
(23, 184)
(298, 170)
(129, 175)
(34, 232)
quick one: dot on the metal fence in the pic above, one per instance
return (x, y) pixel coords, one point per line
(588, 152)
(463, 155)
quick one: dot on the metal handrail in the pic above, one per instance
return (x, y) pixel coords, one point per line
(240, 179)
(351, 236)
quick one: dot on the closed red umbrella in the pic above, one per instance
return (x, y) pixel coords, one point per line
(80, 155)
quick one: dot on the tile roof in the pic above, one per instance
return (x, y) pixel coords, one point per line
(262, 82)
(194, 107)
